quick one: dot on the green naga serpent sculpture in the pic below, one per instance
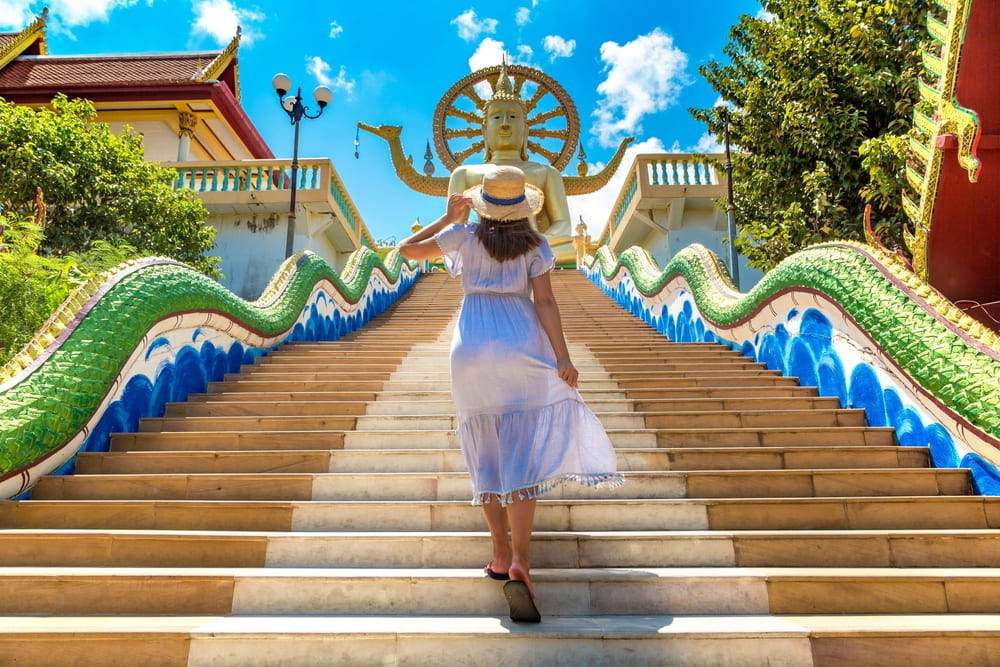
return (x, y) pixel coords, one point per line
(883, 327)
(154, 330)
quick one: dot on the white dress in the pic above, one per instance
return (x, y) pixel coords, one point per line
(522, 429)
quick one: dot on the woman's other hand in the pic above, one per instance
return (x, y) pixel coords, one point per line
(568, 372)
(458, 207)
(421, 245)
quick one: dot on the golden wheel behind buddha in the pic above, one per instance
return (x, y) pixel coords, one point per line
(552, 121)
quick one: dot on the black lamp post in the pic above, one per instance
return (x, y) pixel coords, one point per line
(292, 104)
(730, 206)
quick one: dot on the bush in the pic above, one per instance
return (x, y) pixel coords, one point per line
(33, 286)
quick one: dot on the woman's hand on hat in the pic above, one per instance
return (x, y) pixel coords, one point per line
(567, 372)
(458, 207)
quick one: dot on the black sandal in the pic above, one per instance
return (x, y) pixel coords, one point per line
(522, 603)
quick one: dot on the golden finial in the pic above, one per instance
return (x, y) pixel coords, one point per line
(504, 89)
(581, 166)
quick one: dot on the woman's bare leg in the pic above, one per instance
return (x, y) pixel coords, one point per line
(496, 519)
(521, 516)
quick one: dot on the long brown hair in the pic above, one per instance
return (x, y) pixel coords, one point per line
(507, 239)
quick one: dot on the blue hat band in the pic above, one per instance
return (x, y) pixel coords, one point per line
(497, 201)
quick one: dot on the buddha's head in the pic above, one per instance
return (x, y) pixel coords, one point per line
(505, 125)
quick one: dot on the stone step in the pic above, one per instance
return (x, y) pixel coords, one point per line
(739, 641)
(446, 421)
(724, 404)
(746, 379)
(460, 592)
(441, 393)
(228, 408)
(444, 460)
(564, 548)
(860, 513)
(417, 486)
(637, 366)
(657, 342)
(292, 354)
(251, 385)
(704, 391)
(384, 439)
(438, 372)
(626, 350)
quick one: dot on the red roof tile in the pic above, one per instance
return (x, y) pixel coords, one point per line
(87, 71)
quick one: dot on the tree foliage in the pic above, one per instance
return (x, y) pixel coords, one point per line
(96, 186)
(822, 95)
(33, 286)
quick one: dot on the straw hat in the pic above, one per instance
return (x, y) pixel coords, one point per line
(504, 195)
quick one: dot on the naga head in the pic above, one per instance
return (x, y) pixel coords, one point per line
(387, 132)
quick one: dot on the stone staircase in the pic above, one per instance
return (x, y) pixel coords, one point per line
(314, 510)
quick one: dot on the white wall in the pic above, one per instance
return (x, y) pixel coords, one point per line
(707, 226)
(159, 140)
(252, 247)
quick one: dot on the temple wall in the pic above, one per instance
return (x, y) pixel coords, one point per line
(253, 246)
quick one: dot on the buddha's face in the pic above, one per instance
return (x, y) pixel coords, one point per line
(505, 126)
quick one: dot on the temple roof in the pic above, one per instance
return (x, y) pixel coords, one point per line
(203, 82)
(30, 41)
(164, 69)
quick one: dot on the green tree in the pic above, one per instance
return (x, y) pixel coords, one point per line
(96, 186)
(822, 95)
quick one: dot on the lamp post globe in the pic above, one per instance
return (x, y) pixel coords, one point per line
(282, 84)
(323, 96)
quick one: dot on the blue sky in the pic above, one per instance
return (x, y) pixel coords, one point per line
(630, 66)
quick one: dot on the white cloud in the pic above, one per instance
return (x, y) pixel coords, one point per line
(765, 15)
(645, 76)
(63, 14)
(489, 53)
(82, 12)
(557, 47)
(335, 30)
(320, 69)
(707, 143)
(595, 208)
(523, 16)
(471, 26)
(219, 19)
(15, 14)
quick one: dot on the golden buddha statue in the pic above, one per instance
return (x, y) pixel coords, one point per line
(502, 127)
(505, 131)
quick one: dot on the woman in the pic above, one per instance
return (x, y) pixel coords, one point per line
(523, 427)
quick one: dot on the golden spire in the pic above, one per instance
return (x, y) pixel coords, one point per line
(24, 39)
(503, 91)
